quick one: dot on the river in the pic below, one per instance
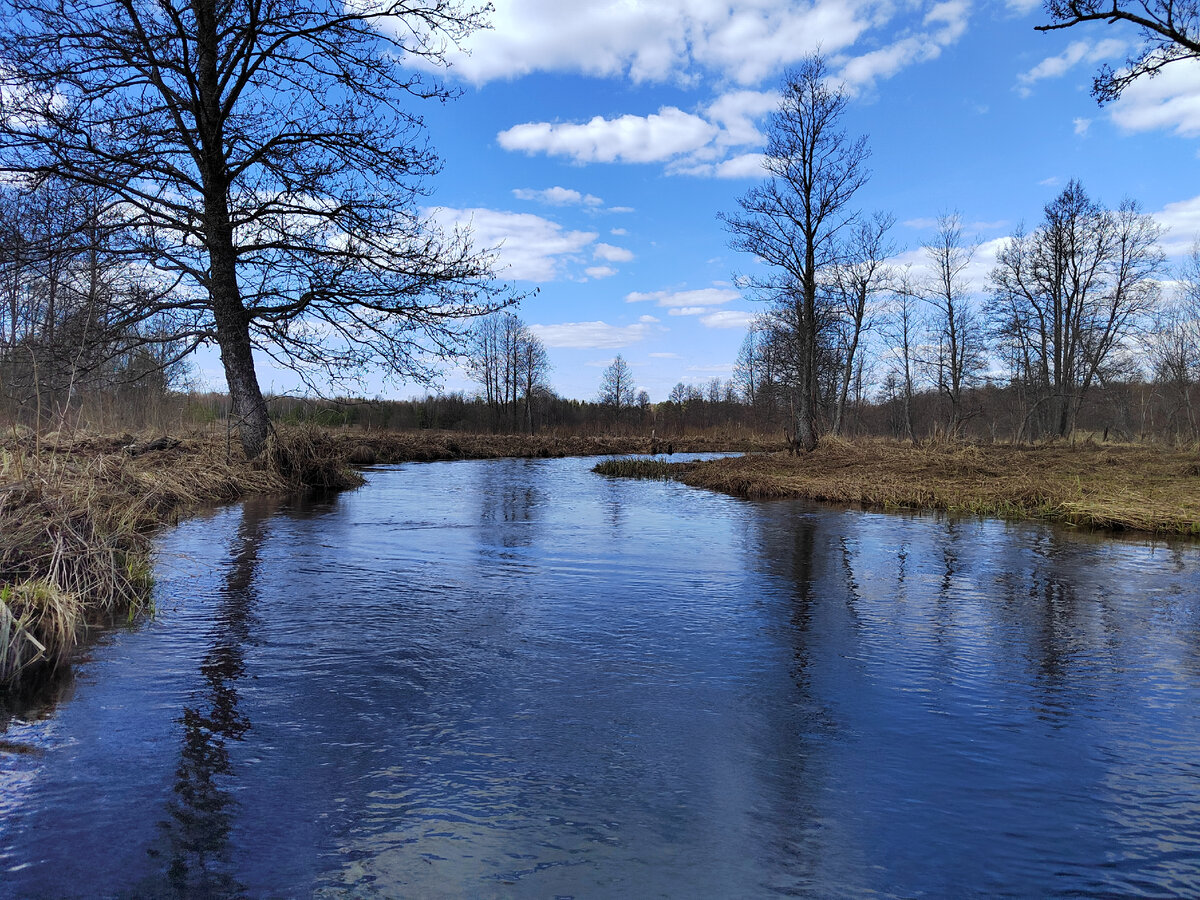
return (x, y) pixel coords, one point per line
(516, 678)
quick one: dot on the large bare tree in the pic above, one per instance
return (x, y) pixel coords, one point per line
(1067, 296)
(793, 219)
(260, 155)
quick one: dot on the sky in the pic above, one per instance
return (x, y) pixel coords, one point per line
(595, 141)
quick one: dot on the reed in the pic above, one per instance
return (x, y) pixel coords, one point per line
(76, 514)
(635, 468)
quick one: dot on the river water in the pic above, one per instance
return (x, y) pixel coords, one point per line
(516, 678)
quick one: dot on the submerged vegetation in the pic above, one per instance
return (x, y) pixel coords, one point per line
(1122, 487)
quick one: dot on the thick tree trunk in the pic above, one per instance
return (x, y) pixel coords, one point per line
(233, 338)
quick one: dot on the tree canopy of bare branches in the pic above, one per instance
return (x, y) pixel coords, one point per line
(261, 158)
(792, 220)
(1170, 31)
(1068, 294)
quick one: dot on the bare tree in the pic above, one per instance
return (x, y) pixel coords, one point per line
(259, 155)
(901, 330)
(793, 219)
(861, 277)
(510, 363)
(959, 342)
(617, 390)
(1067, 296)
(1169, 30)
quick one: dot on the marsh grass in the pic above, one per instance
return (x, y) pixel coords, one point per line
(76, 514)
(635, 468)
(1128, 488)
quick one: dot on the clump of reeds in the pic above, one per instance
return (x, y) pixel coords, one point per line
(638, 468)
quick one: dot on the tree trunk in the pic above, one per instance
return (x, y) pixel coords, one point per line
(233, 338)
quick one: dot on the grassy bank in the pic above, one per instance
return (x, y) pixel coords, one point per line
(76, 511)
(1133, 488)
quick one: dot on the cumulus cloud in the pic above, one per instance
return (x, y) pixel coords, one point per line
(609, 253)
(599, 271)
(719, 140)
(590, 335)
(1182, 219)
(527, 247)
(727, 318)
(680, 299)
(668, 40)
(941, 26)
(558, 196)
(1170, 101)
(1075, 53)
(631, 139)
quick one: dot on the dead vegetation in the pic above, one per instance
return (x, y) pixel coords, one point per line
(1128, 487)
(75, 515)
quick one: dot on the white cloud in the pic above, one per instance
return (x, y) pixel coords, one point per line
(527, 247)
(599, 271)
(713, 142)
(1075, 53)
(679, 299)
(665, 356)
(727, 318)
(1170, 101)
(1081, 126)
(609, 253)
(589, 335)
(648, 320)
(920, 223)
(1183, 220)
(687, 311)
(667, 40)
(620, 209)
(1052, 181)
(632, 139)
(618, 232)
(941, 26)
(558, 196)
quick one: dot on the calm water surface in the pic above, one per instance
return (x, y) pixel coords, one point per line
(515, 678)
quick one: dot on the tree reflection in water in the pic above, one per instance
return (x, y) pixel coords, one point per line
(201, 812)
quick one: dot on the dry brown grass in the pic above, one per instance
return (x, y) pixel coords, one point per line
(1134, 488)
(75, 515)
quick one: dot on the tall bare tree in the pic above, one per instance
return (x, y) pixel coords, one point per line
(510, 362)
(959, 344)
(1170, 32)
(1067, 296)
(261, 156)
(617, 390)
(859, 280)
(793, 219)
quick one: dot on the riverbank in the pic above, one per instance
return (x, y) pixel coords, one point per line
(76, 511)
(1124, 488)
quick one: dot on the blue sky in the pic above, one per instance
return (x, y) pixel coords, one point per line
(596, 140)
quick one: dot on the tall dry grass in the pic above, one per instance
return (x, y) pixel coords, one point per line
(76, 513)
